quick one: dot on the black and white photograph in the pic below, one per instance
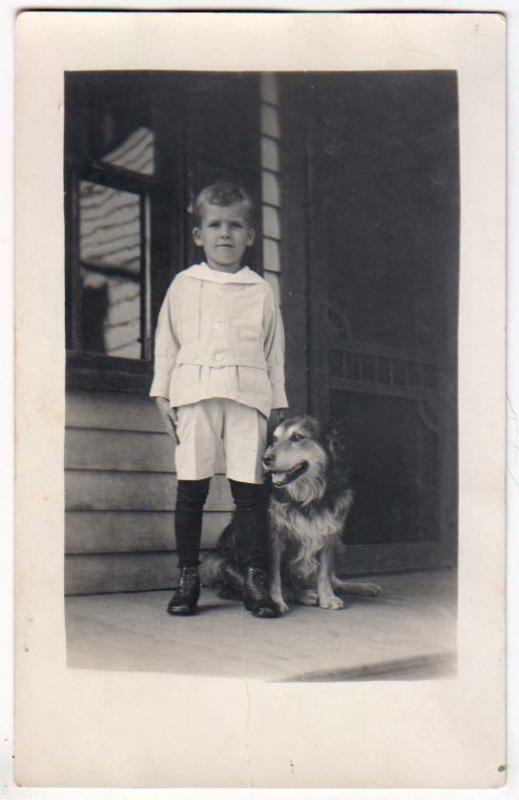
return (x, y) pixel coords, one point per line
(269, 288)
(274, 258)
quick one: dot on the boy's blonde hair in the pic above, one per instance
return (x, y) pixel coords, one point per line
(222, 193)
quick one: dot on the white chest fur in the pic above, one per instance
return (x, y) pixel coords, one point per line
(311, 528)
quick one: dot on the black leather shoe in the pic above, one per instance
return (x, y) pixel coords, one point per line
(185, 599)
(256, 597)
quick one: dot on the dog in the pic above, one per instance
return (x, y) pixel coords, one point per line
(310, 499)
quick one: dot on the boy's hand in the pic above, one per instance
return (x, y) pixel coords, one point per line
(170, 417)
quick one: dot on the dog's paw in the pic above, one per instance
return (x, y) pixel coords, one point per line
(308, 598)
(332, 602)
(280, 603)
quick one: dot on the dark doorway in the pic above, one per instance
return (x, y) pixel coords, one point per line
(382, 234)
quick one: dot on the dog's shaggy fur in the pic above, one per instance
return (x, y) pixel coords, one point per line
(309, 505)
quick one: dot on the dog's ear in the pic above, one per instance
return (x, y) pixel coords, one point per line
(333, 439)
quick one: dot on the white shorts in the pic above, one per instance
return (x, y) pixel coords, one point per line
(200, 428)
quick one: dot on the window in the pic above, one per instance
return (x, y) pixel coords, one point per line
(113, 270)
(138, 146)
(110, 163)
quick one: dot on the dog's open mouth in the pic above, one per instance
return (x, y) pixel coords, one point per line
(289, 475)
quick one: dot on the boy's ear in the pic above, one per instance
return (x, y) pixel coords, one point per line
(197, 236)
(251, 235)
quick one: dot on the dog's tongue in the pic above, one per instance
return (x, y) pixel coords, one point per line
(278, 477)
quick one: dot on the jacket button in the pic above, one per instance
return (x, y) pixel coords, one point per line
(219, 356)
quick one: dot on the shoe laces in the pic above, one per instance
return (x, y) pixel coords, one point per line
(188, 577)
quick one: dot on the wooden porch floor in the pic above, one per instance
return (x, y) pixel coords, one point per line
(407, 633)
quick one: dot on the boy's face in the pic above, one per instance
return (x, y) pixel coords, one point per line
(224, 234)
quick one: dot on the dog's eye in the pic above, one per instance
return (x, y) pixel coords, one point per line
(296, 437)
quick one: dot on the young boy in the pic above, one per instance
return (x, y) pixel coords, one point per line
(219, 373)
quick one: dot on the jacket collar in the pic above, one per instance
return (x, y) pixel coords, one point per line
(203, 272)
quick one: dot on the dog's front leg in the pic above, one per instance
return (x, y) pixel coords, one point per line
(276, 589)
(327, 598)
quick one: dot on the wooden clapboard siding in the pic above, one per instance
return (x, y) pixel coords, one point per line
(114, 410)
(120, 488)
(294, 213)
(145, 451)
(120, 572)
(90, 448)
(108, 490)
(132, 531)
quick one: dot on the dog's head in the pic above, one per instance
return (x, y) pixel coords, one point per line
(298, 459)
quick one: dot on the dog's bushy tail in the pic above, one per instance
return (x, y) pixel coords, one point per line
(211, 569)
(219, 569)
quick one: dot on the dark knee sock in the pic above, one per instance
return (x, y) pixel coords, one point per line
(252, 536)
(191, 497)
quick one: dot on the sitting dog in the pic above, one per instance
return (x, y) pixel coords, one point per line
(309, 504)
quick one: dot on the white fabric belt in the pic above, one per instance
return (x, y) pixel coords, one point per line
(221, 358)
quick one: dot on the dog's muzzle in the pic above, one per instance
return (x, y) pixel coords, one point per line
(284, 477)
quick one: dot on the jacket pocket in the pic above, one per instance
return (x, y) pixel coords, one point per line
(250, 333)
(247, 323)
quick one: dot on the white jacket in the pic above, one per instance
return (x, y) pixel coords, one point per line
(220, 335)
